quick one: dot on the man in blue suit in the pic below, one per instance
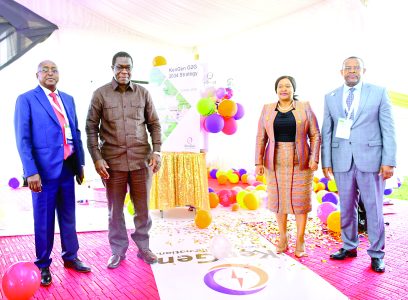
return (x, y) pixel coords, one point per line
(359, 149)
(50, 148)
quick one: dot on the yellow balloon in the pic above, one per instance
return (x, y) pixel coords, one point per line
(202, 219)
(260, 187)
(331, 185)
(334, 221)
(219, 173)
(240, 198)
(159, 61)
(251, 201)
(233, 178)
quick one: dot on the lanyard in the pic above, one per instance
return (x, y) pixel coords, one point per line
(350, 111)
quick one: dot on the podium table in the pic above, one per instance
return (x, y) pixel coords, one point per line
(181, 181)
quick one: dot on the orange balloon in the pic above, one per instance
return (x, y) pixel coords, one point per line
(244, 178)
(214, 200)
(202, 219)
(235, 207)
(227, 108)
(320, 186)
(159, 61)
(334, 221)
(222, 179)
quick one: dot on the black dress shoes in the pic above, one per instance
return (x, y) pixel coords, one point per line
(46, 278)
(77, 265)
(114, 261)
(377, 264)
(343, 253)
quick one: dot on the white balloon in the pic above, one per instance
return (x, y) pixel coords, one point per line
(220, 247)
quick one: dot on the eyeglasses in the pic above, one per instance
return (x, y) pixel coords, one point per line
(122, 68)
(354, 68)
(47, 70)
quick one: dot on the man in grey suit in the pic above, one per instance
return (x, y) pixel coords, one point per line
(359, 150)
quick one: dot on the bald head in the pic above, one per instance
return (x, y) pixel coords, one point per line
(48, 75)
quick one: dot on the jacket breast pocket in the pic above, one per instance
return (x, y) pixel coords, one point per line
(137, 111)
(374, 143)
(111, 111)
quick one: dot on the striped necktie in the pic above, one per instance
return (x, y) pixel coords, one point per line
(61, 119)
(349, 101)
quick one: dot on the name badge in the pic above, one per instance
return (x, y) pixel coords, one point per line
(68, 134)
(343, 128)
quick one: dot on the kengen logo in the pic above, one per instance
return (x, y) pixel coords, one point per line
(236, 279)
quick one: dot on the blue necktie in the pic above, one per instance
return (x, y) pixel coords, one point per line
(349, 101)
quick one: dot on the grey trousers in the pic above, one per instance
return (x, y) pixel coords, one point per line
(371, 187)
(139, 183)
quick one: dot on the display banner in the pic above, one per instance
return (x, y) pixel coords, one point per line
(247, 268)
(176, 90)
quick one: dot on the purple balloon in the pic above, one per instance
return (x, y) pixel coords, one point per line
(325, 181)
(14, 183)
(213, 173)
(331, 197)
(240, 112)
(324, 210)
(220, 93)
(211, 190)
(214, 123)
(242, 172)
(387, 192)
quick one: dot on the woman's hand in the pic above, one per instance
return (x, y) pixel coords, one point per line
(259, 170)
(313, 165)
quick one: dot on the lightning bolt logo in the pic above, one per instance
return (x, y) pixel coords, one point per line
(240, 279)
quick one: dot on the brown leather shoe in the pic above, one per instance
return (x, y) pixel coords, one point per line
(147, 255)
(114, 261)
(343, 253)
(77, 265)
(46, 278)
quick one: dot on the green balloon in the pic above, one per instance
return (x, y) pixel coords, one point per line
(206, 106)
(130, 208)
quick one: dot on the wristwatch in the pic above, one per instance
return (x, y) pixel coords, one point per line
(157, 153)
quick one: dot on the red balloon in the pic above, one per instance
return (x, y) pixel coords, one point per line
(230, 126)
(224, 196)
(21, 280)
(233, 196)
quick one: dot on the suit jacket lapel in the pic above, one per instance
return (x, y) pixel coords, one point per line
(42, 98)
(66, 109)
(365, 91)
(271, 115)
(339, 102)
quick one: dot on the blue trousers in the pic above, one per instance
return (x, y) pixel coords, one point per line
(371, 187)
(58, 195)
